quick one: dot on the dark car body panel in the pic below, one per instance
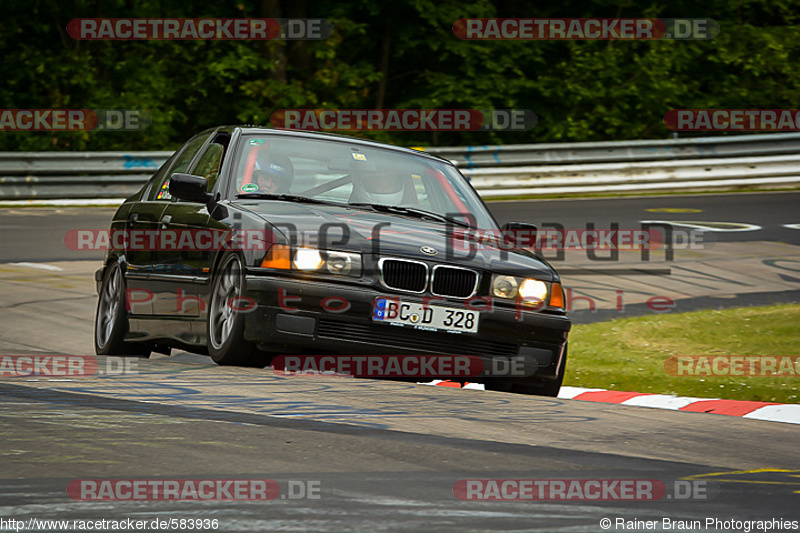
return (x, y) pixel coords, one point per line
(180, 281)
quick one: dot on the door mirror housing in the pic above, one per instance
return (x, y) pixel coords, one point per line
(189, 187)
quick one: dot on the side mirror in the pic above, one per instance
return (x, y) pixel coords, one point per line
(189, 187)
(522, 234)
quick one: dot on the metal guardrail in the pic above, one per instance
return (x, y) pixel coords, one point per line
(709, 163)
(468, 157)
(696, 174)
(67, 175)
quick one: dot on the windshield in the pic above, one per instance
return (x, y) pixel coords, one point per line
(341, 172)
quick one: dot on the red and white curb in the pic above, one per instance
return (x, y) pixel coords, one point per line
(773, 412)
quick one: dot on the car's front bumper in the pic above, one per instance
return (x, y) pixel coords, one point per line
(286, 315)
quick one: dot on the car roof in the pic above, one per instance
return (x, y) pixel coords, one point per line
(261, 130)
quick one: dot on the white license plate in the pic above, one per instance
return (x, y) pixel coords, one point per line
(430, 317)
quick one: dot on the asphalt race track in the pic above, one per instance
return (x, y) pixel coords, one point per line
(381, 455)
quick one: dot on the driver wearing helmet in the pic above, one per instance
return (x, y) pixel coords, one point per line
(275, 176)
(382, 188)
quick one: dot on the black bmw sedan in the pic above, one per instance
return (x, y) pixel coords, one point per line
(253, 244)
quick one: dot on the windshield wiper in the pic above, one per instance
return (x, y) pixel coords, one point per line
(285, 198)
(413, 212)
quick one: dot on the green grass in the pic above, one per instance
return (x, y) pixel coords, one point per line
(629, 354)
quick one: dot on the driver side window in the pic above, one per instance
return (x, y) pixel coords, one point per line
(209, 164)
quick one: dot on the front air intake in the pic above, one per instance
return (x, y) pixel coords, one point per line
(402, 275)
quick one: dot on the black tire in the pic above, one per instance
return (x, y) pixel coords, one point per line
(531, 385)
(225, 326)
(111, 318)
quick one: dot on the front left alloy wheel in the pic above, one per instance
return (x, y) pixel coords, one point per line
(225, 326)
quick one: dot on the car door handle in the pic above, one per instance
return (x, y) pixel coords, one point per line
(165, 220)
(132, 219)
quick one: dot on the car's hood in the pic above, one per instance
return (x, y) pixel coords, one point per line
(391, 235)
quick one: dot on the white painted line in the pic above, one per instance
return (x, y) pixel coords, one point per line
(636, 187)
(707, 226)
(792, 226)
(663, 401)
(40, 266)
(777, 413)
(567, 393)
(107, 202)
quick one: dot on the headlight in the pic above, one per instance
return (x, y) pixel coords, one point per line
(505, 287)
(343, 263)
(313, 260)
(533, 289)
(307, 259)
(530, 292)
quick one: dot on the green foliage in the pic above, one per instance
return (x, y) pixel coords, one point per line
(581, 90)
